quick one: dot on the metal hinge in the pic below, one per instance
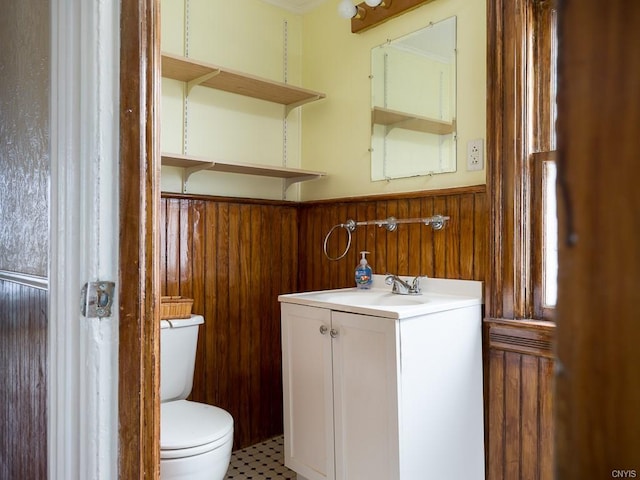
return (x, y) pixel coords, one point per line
(96, 299)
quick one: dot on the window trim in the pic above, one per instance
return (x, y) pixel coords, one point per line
(518, 125)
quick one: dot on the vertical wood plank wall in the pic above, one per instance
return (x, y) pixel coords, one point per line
(457, 251)
(235, 256)
(519, 406)
(23, 383)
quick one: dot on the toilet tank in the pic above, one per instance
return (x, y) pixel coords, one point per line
(178, 342)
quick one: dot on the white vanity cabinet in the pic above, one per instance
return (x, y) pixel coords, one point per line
(377, 398)
(339, 374)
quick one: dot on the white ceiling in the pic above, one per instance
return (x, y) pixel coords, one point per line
(296, 6)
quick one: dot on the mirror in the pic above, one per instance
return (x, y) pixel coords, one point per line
(413, 103)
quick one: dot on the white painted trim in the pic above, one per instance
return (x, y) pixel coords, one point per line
(83, 353)
(34, 281)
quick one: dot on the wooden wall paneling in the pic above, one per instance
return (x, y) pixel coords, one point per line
(360, 240)
(466, 236)
(391, 238)
(231, 285)
(480, 237)
(415, 241)
(322, 224)
(198, 241)
(530, 416)
(404, 250)
(496, 416)
(340, 277)
(23, 385)
(257, 313)
(306, 237)
(243, 254)
(412, 249)
(245, 344)
(513, 419)
(440, 241)
(172, 283)
(211, 366)
(163, 245)
(546, 416)
(380, 249)
(185, 269)
(222, 315)
(520, 401)
(427, 254)
(452, 235)
(271, 379)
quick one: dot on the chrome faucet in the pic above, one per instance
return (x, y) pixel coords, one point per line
(401, 287)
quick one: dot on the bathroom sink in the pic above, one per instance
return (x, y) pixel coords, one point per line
(375, 297)
(437, 295)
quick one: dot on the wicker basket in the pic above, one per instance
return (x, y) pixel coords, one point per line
(175, 307)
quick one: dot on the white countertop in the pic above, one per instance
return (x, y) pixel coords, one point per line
(437, 295)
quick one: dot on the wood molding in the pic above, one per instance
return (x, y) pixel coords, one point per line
(385, 197)
(522, 336)
(509, 283)
(139, 262)
(307, 203)
(376, 15)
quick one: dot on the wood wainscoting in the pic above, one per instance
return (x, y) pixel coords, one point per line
(519, 404)
(457, 251)
(235, 256)
(23, 384)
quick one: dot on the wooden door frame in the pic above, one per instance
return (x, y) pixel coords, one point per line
(139, 261)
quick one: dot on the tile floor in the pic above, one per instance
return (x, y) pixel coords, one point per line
(263, 461)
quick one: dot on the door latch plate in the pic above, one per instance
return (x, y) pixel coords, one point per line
(96, 299)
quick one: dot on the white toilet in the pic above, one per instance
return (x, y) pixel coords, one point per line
(195, 438)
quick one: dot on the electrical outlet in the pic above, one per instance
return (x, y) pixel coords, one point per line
(475, 154)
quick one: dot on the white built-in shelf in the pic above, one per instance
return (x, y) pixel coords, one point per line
(395, 119)
(213, 76)
(192, 164)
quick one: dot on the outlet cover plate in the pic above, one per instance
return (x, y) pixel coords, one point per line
(475, 154)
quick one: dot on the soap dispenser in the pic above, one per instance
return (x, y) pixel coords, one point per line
(364, 274)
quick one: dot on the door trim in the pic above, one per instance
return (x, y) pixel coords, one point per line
(139, 261)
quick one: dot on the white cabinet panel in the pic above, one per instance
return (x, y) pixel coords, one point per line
(365, 397)
(308, 392)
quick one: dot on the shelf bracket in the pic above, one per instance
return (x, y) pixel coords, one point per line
(290, 181)
(197, 81)
(188, 171)
(293, 106)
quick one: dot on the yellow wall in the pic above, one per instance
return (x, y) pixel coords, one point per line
(332, 135)
(243, 35)
(336, 131)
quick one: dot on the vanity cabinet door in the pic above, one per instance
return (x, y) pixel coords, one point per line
(365, 379)
(308, 391)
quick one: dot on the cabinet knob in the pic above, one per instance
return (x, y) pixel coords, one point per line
(323, 329)
(333, 333)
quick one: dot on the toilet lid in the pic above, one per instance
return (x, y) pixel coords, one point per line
(185, 424)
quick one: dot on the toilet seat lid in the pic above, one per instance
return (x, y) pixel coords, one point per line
(185, 424)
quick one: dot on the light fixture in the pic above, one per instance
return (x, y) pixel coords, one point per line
(375, 11)
(346, 9)
(378, 3)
